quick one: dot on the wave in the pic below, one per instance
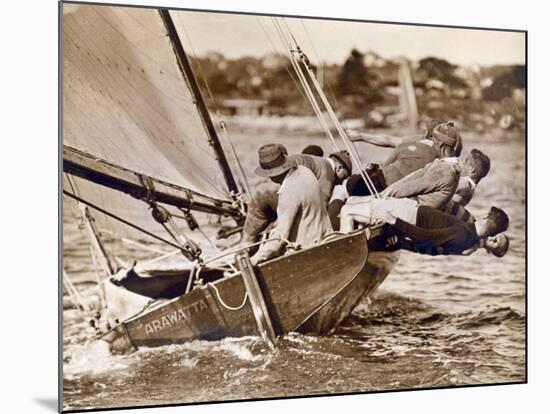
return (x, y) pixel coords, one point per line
(495, 316)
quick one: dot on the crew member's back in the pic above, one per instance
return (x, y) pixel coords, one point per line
(407, 157)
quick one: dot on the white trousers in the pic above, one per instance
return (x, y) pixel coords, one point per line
(369, 210)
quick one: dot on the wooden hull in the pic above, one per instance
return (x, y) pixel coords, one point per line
(378, 266)
(294, 287)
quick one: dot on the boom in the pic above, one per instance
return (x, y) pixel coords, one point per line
(107, 174)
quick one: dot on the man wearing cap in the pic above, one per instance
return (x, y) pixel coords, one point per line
(329, 171)
(302, 217)
(408, 156)
(412, 154)
(262, 209)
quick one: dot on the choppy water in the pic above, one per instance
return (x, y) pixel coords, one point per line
(434, 322)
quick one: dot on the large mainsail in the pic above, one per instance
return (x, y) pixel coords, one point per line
(126, 101)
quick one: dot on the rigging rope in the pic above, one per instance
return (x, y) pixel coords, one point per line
(162, 216)
(120, 219)
(315, 105)
(100, 286)
(277, 51)
(310, 43)
(196, 226)
(347, 143)
(75, 296)
(140, 266)
(307, 89)
(85, 311)
(320, 64)
(115, 217)
(143, 246)
(240, 249)
(290, 34)
(94, 243)
(310, 94)
(240, 169)
(349, 146)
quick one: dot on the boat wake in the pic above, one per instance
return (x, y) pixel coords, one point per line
(93, 358)
(393, 342)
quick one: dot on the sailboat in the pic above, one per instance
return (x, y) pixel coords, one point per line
(141, 157)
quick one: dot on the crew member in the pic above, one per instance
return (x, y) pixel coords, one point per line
(392, 141)
(262, 209)
(467, 185)
(329, 171)
(436, 184)
(302, 217)
(408, 156)
(313, 150)
(427, 229)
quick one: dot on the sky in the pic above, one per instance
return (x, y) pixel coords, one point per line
(241, 35)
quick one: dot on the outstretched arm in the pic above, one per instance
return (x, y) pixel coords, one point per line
(374, 139)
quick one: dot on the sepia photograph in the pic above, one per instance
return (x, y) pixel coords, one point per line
(268, 206)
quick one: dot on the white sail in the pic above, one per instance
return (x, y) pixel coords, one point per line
(125, 100)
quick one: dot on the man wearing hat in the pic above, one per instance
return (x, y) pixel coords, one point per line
(431, 187)
(409, 155)
(262, 209)
(302, 217)
(392, 141)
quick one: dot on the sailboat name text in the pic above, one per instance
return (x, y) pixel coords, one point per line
(173, 318)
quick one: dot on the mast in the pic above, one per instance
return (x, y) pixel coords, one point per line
(185, 68)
